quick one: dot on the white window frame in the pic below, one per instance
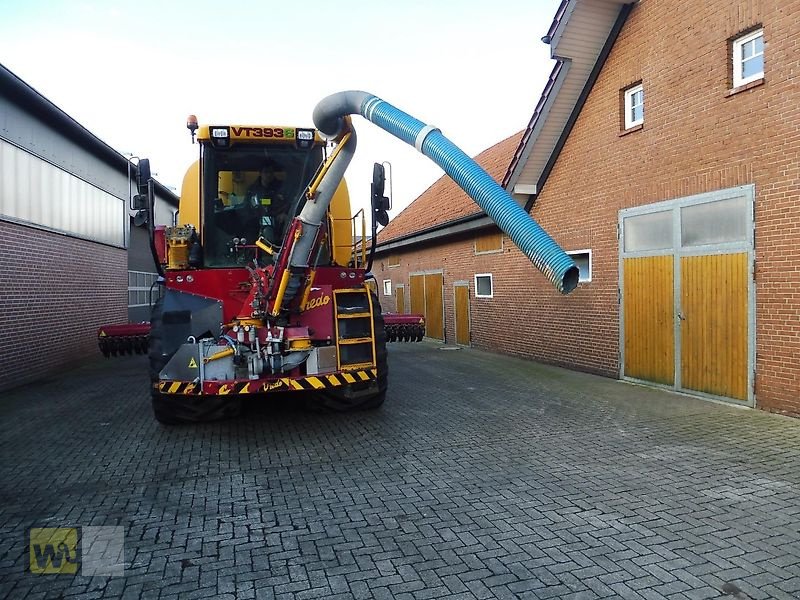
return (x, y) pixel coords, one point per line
(491, 285)
(628, 103)
(387, 287)
(581, 277)
(737, 61)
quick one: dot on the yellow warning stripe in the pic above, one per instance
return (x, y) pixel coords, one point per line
(318, 385)
(312, 382)
(295, 384)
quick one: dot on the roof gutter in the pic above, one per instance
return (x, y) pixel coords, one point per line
(454, 227)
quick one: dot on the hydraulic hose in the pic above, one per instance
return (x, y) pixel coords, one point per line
(510, 217)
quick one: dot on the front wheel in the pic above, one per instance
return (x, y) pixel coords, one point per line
(175, 409)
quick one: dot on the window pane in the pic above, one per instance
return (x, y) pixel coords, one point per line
(753, 67)
(652, 231)
(483, 285)
(714, 222)
(759, 44)
(748, 49)
(637, 113)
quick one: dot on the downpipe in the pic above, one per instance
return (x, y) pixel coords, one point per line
(545, 254)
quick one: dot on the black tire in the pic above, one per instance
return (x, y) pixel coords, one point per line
(340, 400)
(175, 409)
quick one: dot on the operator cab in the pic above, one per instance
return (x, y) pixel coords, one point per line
(251, 191)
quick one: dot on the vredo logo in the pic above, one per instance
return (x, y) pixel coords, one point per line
(54, 550)
(317, 302)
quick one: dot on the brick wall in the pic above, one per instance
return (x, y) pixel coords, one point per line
(56, 292)
(696, 138)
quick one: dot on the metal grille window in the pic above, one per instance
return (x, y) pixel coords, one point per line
(140, 284)
(748, 58)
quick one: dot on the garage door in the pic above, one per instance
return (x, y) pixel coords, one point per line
(688, 315)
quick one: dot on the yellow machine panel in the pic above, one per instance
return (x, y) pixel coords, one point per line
(189, 207)
(256, 133)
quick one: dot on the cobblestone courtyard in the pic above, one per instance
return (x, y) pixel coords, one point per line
(481, 476)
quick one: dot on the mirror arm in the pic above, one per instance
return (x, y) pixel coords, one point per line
(373, 243)
(151, 224)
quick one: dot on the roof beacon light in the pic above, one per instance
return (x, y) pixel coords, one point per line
(191, 125)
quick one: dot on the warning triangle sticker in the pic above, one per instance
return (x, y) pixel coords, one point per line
(193, 363)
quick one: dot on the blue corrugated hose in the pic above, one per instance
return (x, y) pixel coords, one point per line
(526, 233)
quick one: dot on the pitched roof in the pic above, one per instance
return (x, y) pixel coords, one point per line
(444, 201)
(580, 38)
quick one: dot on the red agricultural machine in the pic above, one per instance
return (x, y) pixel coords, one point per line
(262, 287)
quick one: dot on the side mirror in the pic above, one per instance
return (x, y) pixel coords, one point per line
(139, 202)
(378, 181)
(143, 169)
(380, 203)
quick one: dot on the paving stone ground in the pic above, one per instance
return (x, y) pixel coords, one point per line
(482, 476)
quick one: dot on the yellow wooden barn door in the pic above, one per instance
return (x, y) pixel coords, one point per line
(649, 346)
(400, 299)
(462, 313)
(714, 324)
(687, 301)
(434, 306)
(417, 285)
(427, 300)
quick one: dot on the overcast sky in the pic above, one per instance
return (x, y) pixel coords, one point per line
(131, 72)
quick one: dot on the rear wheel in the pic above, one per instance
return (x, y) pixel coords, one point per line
(174, 409)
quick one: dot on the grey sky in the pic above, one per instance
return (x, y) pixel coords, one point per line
(132, 72)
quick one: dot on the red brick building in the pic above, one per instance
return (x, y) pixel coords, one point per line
(71, 259)
(665, 153)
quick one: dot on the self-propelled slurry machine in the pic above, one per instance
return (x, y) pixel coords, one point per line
(263, 288)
